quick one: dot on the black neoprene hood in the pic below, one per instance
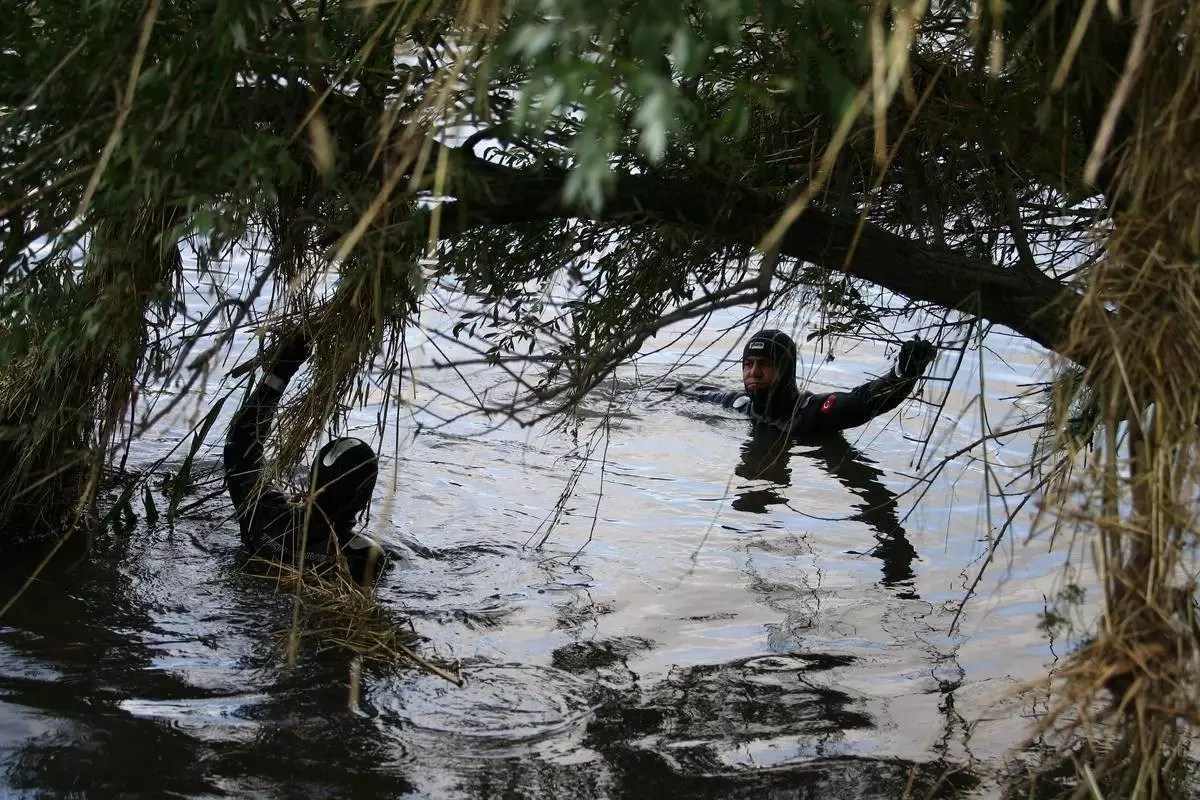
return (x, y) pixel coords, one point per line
(777, 346)
(344, 475)
(780, 399)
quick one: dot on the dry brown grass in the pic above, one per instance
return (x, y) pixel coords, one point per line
(334, 612)
(1132, 693)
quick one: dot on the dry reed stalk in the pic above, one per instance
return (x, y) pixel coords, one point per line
(335, 612)
(68, 398)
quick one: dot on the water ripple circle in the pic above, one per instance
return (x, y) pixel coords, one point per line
(500, 703)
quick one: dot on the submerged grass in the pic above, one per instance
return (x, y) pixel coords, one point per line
(334, 612)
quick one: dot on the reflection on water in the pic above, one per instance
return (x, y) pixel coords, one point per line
(103, 695)
(765, 458)
(748, 618)
(757, 727)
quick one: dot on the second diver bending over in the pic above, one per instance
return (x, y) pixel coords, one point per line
(341, 483)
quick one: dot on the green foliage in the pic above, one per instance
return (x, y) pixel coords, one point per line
(579, 173)
(686, 77)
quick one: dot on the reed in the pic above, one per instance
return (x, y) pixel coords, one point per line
(1125, 705)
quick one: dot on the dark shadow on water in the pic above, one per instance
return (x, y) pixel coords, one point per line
(767, 456)
(91, 704)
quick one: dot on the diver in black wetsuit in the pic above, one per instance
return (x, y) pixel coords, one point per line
(342, 480)
(771, 397)
(782, 413)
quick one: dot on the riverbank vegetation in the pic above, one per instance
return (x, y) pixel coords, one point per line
(1024, 164)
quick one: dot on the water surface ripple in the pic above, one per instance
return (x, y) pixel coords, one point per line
(712, 617)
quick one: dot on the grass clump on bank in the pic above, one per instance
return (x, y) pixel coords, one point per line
(1125, 706)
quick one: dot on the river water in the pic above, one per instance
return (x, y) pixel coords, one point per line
(706, 619)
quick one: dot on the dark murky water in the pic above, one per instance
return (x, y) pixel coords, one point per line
(737, 625)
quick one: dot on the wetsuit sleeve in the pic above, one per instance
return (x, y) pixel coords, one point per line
(258, 507)
(836, 411)
(709, 394)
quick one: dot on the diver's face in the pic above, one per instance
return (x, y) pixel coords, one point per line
(759, 373)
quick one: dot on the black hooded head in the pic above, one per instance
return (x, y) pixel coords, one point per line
(343, 478)
(780, 399)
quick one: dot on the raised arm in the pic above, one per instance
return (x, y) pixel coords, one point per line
(835, 411)
(249, 429)
(244, 446)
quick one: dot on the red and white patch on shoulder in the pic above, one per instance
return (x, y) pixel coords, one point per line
(828, 404)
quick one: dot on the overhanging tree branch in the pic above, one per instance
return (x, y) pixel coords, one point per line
(1033, 305)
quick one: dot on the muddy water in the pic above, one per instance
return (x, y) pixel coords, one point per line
(708, 618)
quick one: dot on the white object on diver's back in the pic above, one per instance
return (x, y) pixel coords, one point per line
(360, 542)
(339, 450)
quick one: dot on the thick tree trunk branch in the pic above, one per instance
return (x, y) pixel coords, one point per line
(1034, 306)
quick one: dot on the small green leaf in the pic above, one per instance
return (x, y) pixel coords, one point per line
(532, 39)
(183, 478)
(838, 88)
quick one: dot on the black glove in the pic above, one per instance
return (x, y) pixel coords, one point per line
(290, 353)
(914, 357)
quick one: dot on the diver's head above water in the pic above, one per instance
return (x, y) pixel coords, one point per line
(769, 369)
(343, 478)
